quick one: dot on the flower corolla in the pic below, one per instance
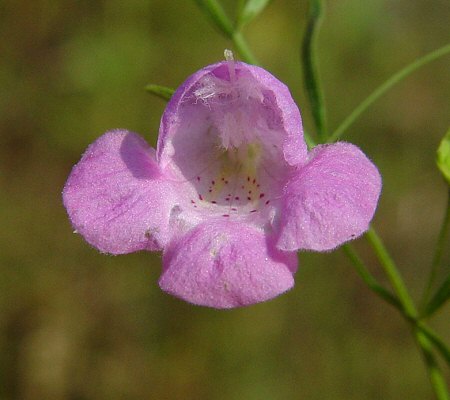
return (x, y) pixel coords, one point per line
(230, 194)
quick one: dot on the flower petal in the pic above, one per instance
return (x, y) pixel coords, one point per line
(116, 196)
(225, 264)
(330, 200)
(205, 97)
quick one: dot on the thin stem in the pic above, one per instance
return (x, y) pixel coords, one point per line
(243, 49)
(435, 374)
(215, 12)
(368, 278)
(438, 299)
(436, 340)
(425, 344)
(381, 90)
(438, 252)
(392, 273)
(310, 74)
(217, 15)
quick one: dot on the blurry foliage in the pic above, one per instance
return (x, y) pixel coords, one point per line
(75, 324)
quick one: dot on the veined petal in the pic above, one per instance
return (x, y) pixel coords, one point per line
(225, 264)
(330, 200)
(116, 196)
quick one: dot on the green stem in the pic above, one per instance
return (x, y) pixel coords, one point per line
(368, 278)
(436, 340)
(381, 90)
(392, 273)
(215, 12)
(213, 9)
(438, 252)
(242, 48)
(435, 374)
(425, 344)
(310, 74)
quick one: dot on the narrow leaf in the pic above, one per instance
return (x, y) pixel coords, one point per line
(438, 251)
(162, 92)
(441, 296)
(443, 156)
(310, 75)
(251, 10)
(217, 15)
(385, 87)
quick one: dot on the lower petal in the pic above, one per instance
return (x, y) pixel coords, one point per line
(116, 197)
(330, 200)
(226, 264)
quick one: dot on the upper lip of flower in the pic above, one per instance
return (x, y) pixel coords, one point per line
(230, 194)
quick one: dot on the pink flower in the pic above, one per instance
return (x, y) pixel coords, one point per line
(230, 194)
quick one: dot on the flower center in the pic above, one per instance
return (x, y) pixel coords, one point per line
(232, 185)
(226, 148)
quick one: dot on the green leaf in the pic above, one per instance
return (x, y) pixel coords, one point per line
(441, 296)
(217, 15)
(250, 10)
(310, 75)
(443, 156)
(162, 92)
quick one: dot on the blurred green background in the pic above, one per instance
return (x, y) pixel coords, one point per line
(75, 324)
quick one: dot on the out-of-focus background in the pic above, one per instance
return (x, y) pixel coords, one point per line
(75, 324)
